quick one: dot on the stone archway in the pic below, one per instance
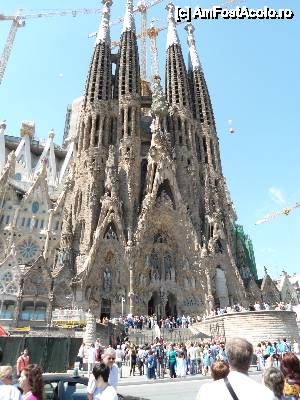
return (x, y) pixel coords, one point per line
(153, 304)
(171, 306)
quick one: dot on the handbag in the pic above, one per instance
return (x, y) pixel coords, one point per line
(230, 389)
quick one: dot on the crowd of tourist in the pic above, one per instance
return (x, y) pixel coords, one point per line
(172, 322)
(227, 364)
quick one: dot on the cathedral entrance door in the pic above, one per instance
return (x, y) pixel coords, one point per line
(105, 308)
(171, 306)
(153, 304)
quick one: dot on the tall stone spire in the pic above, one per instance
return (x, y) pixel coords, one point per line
(172, 36)
(103, 34)
(128, 93)
(128, 23)
(202, 107)
(128, 68)
(95, 123)
(177, 88)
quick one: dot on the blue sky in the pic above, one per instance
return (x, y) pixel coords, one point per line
(252, 70)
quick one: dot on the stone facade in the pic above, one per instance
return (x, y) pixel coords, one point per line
(148, 216)
(143, 212)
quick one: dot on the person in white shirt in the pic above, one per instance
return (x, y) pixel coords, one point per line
(103, 390)
(108, 359)
(119, 359)
(92, 353)
(192, 357)
(7, 390)
(239, 352)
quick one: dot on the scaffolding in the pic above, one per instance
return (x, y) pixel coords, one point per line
(239, 235)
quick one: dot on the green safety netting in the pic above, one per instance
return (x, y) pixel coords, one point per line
(52, 353)
(239, 234)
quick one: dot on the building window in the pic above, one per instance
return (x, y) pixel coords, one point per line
(7, 219)
(23, 222)
(42, 224)
(18, 176)
(35, 207)
(28, 222)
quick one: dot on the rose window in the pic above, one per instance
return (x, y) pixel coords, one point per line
(28, 249)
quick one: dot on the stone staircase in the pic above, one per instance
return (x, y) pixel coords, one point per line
(255, 326)
(177, 335)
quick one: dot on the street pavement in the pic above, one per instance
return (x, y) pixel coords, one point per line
(165, 389)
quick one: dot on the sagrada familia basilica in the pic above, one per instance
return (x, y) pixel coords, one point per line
(134, 207)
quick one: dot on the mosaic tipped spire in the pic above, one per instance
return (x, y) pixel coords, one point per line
(172, 37)
(129, 24)
(194, 58)
(103, 34)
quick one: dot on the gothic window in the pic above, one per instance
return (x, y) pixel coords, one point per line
(7, 219)
(107, 280)
(110, 233)
(18, 176)
(165, 192)
(161, 238)
(168, 266)
(7, 277)
(97, 128)
(205, 150)
(28, 222)
(42, 224)
(144, 165)
(35, 207)
(28, 249)
(155, 272)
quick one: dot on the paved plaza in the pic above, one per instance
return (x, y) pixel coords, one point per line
(166, 388)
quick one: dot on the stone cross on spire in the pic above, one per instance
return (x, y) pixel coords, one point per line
(103, 34)
(128, 24)
(192, 47)
(172, 37)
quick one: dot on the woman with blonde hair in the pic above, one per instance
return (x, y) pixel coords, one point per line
(7, 390)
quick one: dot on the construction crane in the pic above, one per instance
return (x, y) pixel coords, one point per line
(284, 211)
(142, 8)
(18, 21)
(152, 33)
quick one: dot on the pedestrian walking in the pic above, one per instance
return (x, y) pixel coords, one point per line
(80, 356)
(22, 362)
(92, 354)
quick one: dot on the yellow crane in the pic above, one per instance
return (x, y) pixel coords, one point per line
(284, 211)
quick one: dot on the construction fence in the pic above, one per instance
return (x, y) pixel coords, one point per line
(54, 354)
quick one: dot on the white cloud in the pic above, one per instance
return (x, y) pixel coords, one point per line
(276, 195)
(61, 75)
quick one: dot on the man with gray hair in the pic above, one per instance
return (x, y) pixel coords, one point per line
(237, 385)
(108, 359)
